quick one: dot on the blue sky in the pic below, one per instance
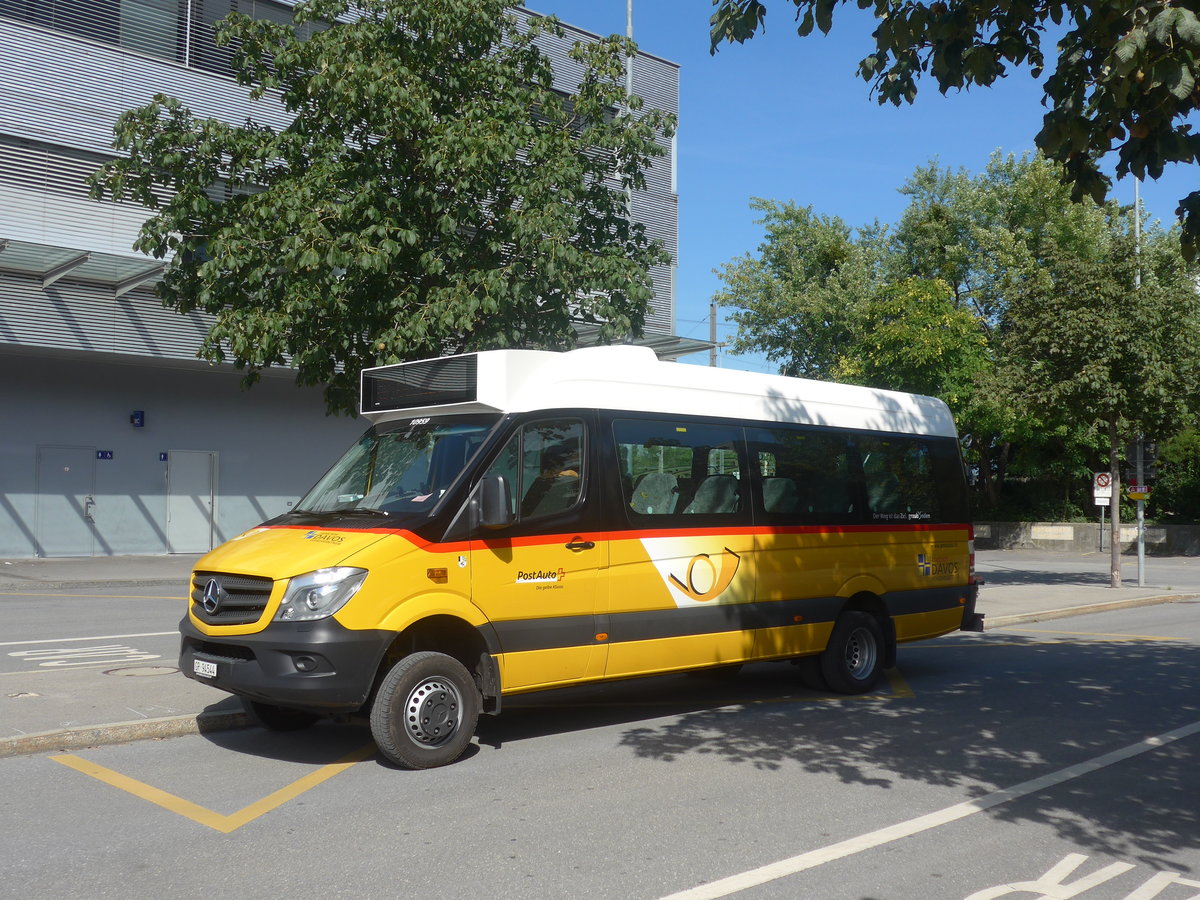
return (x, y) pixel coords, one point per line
(787, 118)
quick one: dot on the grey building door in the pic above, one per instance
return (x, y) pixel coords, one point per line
(191, 500)
(66, 500)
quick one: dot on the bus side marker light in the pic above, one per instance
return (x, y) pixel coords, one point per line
(438, 575)
(797, 618)
(602, 636)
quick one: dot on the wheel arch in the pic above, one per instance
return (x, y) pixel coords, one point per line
(473, 646)
(872, 604)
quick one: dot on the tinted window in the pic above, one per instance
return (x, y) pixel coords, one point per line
(898, 473)
(680, 468)
(807, 476)
(543, 465)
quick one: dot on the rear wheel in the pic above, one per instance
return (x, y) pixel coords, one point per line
(279, 718)
(425, 711)
(853, 660)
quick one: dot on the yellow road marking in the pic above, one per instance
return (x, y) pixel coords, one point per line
(204, 816)
(900, 687)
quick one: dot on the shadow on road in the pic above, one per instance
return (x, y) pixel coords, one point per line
(984, 712)
(988, 714)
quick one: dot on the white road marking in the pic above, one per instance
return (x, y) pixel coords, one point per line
(66, 657)
(1052, 884)
(106, 637)
(782, 869)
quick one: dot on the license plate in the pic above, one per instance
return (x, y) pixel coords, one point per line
(204, 668)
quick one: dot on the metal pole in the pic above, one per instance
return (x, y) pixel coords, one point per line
(1141, 513)
(1137, 232)
(628, 59)
(1141, 474)
(629, 97)
(712, 334)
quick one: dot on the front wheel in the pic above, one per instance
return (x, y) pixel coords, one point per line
(425, 711)
(852, 662)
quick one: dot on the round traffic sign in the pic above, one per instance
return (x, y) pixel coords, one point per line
(1103, 479)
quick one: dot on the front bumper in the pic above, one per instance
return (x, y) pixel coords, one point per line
(311, 665)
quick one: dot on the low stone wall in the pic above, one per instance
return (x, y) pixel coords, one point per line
(1084, 537)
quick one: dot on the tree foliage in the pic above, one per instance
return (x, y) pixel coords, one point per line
(796, 299)
(1123, 80)
(1034, 318)
(432, 193)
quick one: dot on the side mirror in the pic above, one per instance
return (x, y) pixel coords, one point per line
(495, 503)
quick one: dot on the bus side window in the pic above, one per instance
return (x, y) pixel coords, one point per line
(805, 476)
(679, 468)
(543, 464)
(899, 479)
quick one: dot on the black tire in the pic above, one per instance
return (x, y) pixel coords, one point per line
(852, 662)
(425, 711)
(279, 718)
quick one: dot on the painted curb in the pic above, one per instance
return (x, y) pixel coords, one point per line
(121, 733)
(1065, 612)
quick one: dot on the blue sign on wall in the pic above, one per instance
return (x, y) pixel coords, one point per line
(104, 454)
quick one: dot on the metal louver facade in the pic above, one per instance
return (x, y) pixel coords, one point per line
(94, 59)
(85, 339)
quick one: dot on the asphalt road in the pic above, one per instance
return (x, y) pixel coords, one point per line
(1058, 760)
(93, 627)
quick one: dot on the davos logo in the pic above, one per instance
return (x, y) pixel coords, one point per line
(324, 538)
(931, 568)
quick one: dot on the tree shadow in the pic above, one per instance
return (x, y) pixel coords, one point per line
(986, 714)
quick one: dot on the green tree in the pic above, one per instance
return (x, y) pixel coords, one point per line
(1017, 307)
(912, 336)
(1124, 81)
(797, 299)
(1104, 337)
(433, 192)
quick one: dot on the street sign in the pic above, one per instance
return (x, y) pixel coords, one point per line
(1103, 501)
(1101, 484)
(1139, 492)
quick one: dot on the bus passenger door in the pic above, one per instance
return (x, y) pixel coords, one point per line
(681, 582)
(537, 580)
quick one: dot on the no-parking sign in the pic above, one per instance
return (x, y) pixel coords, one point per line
(1102, 485)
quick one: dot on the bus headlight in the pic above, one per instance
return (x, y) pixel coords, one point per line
(319, 594)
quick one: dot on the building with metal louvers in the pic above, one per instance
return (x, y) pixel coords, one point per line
(117, 440)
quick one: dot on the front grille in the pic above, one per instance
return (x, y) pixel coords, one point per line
(243, 598)
(226, 652)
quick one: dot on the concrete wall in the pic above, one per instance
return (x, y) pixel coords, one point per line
(271, 444)
(1083, 537)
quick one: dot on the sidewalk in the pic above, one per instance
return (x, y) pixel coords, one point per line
(79, 708)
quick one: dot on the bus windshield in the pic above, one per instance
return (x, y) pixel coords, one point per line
(400, 468)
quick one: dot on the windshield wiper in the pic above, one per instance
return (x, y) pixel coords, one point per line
(342, 513)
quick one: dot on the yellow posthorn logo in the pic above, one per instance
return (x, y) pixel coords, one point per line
(704, 581)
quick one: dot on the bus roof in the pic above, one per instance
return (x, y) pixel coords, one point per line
(632, 378)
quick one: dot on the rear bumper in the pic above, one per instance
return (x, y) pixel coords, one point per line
(311, 665)
(972, 620)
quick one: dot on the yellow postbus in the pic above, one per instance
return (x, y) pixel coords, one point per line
(519, 520)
